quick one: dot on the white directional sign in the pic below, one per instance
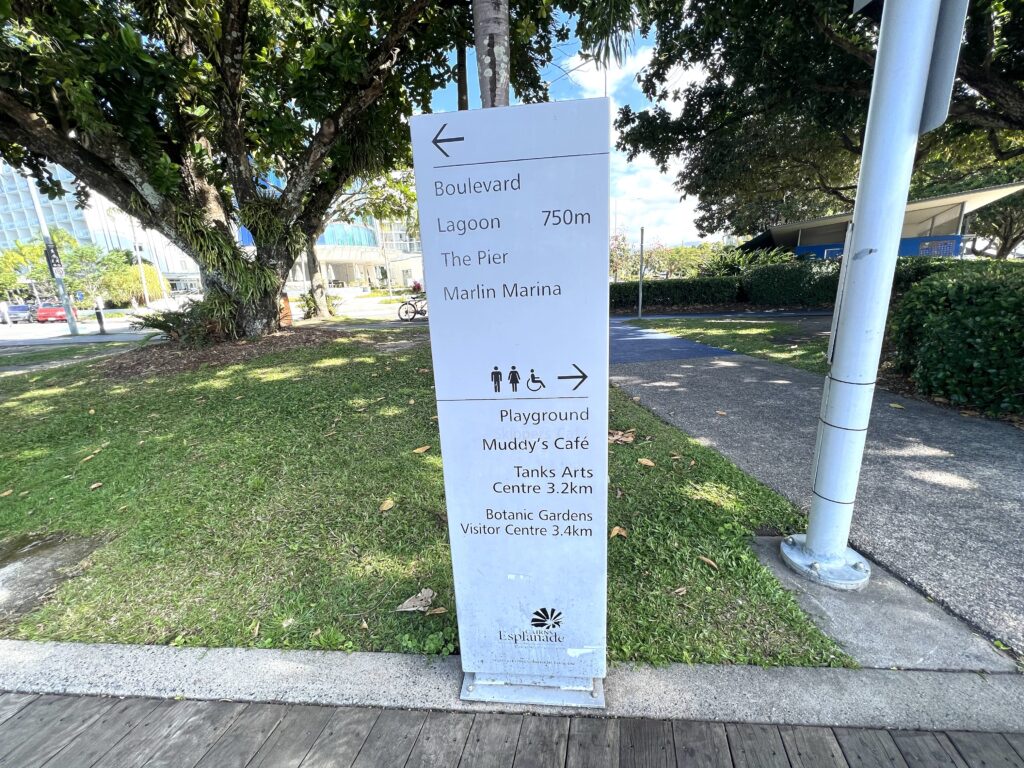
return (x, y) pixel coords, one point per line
(514, 222)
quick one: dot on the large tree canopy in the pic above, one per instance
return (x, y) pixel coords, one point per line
(773, 129)
(198, 116)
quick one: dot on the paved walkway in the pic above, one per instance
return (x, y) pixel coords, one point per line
(940, 498)
(87, 732)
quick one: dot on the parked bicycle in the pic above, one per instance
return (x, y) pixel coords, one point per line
(415, 307)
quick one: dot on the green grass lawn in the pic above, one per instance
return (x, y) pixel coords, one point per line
(758, 338)
(242, 504)
(68, 352)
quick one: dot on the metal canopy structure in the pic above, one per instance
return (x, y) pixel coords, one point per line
(930, 216)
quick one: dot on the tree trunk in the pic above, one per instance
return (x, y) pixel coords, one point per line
(461, 76)
(260, 315)
(490, 33)
(318, 286)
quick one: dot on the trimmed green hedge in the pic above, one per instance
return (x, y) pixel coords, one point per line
(693, 292)
(797, 283)
(959, 334)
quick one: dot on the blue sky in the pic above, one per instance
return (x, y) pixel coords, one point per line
(641, 194)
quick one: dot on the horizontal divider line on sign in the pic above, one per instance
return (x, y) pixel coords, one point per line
(522, 159)
(476, 399)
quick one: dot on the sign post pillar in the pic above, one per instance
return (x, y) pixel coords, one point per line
(53, 261)
(514, 222)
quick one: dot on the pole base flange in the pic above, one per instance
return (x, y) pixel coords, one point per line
(849, 572)
(475, 688)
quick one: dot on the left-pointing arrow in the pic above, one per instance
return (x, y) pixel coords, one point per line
(438, 141)
(581, 376)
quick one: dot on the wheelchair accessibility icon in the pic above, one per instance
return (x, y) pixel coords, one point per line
(534, 383)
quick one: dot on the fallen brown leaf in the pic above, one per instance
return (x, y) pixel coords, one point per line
(645, 462)
(618, 493)
(896, 406)
(94, 486)
(618, 530)
(708, 560)
(437, 611)
(364, 625)
(421, 449)
(419, 602)
(618, 437)
(386, 505)
(680, 591)
(8, 492)
(720, 413)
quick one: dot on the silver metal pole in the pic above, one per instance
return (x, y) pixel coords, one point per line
(905, 45)
(384, 252)
(56, 269)
(138, 256)
(640, 287)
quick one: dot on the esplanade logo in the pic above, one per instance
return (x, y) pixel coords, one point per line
(547, 618)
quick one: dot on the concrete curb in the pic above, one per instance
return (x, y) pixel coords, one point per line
(871, 698)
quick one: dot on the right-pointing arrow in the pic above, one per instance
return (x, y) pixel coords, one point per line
(581, 376)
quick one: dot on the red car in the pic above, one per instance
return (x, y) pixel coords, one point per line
(51, 313)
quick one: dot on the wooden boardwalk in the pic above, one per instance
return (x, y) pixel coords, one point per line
(95, 732)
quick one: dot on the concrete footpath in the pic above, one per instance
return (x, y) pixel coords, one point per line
(941, 498)
(869, 698)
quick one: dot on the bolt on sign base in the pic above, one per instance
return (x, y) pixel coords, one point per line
(849, 572)
(568, 692)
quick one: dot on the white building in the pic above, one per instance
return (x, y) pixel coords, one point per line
(355, 256)
(100, 223)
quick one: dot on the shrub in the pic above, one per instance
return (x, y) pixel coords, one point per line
(195, 325)
(732, 261)
(796, 283)
(911, 270)
(120, 285)
(958, 334)
(691, 292)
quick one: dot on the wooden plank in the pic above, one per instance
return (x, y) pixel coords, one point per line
(492, 741)
(12, 703)
(922, 749)
(391, 739)
(646, 744)
(809, 747)
(701, 745)
(239, 741)
(756, 746)
(1016, 741)
(42, 729)
(593, 743)
(442, 740)
(197, 734)
(291, 741)
(157, 729)
(864, 748)
(947, 745)
(342, 739)
(101, 736)
(990, 750)
(542, 742)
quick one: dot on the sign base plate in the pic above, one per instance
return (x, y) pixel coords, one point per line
(544, 695)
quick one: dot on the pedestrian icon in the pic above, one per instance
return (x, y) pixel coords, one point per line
(514, 378)
(496, 379)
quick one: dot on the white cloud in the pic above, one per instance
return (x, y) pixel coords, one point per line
(642, 196)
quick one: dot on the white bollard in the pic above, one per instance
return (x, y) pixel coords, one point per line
(906, 40)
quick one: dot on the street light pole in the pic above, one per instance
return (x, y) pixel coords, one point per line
(640, 286)
(52, 259)
(918, 46)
